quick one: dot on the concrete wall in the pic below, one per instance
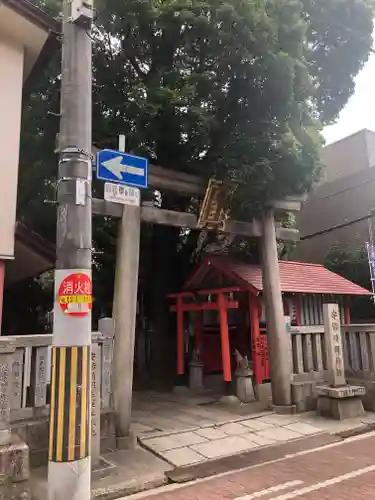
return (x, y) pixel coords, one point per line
(345, 193)
(35, 434)
(348, 156)
(22, 39)
(11, 63)
(335, 203)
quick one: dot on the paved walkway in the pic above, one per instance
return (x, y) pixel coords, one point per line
(155, 413)
(191, 447)
(340, 471)
(191, 430)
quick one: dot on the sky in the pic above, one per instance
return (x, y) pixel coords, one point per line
(359, 112)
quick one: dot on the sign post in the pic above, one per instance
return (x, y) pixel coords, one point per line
(124, 174)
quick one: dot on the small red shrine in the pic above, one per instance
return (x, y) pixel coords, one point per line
(224, 299)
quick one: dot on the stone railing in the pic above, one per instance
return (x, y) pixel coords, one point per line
(25, 388)
(359, 351)
(308, 353)
(309, 361)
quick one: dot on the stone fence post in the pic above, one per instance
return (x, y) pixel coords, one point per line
(106, 327)
(95, 403)
(6, 352)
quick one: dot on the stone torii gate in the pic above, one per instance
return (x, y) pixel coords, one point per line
(126, 281)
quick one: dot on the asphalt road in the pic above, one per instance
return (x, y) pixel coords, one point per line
(340, 471)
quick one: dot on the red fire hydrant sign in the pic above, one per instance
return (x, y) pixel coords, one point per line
(75, 295)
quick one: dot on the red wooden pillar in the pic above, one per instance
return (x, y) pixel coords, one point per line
(298, 310)
(198, 330)
(224, 335)
(180, 336)
(347, 313)
(255, 338)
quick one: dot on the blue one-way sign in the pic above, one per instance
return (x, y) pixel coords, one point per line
(122, 168)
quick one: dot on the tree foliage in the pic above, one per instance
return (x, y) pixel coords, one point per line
(212, 87)
(338, 41)
(238, 89)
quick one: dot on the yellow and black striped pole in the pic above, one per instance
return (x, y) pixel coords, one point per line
(69, 465)
(69, 436)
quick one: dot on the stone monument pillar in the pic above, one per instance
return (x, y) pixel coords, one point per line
(14, 453)
(6, 351)
(337, 399)
(196, 373)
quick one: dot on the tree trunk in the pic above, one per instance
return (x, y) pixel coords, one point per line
(164, 278)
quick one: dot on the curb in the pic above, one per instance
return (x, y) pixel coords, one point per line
(356, 431)
(129, 488)
(249, 458)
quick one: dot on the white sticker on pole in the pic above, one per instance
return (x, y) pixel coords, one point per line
(126, 195)
(80, 192)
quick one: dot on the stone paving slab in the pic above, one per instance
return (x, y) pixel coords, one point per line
(226, 439)
(301, 428)
(221, 447)
(257, 424)
(211, 433)
(260, 440)
(174, 441)
(183, 456)
(163, 413)
(233, 429)
(281, 434)
(278, 420)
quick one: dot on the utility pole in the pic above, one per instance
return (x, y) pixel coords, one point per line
(69, 466)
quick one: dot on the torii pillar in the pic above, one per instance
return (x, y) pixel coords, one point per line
(277, 336)
(125, 312)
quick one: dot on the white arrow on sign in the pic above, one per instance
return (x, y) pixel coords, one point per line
(115, 166)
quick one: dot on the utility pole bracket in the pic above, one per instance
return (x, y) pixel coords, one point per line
(82, 12)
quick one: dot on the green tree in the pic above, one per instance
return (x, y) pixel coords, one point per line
(237, 89)
(351, 262)
(338, 42)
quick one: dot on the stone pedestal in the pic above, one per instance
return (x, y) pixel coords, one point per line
(340, 403)
(337, 399)
(196, 376)
(244, 386)
(14, 461)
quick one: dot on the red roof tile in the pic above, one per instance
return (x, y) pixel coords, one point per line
(297, 277)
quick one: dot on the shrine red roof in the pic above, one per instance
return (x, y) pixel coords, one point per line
(298, 277)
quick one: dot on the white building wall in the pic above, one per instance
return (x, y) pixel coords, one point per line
(11, 64)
